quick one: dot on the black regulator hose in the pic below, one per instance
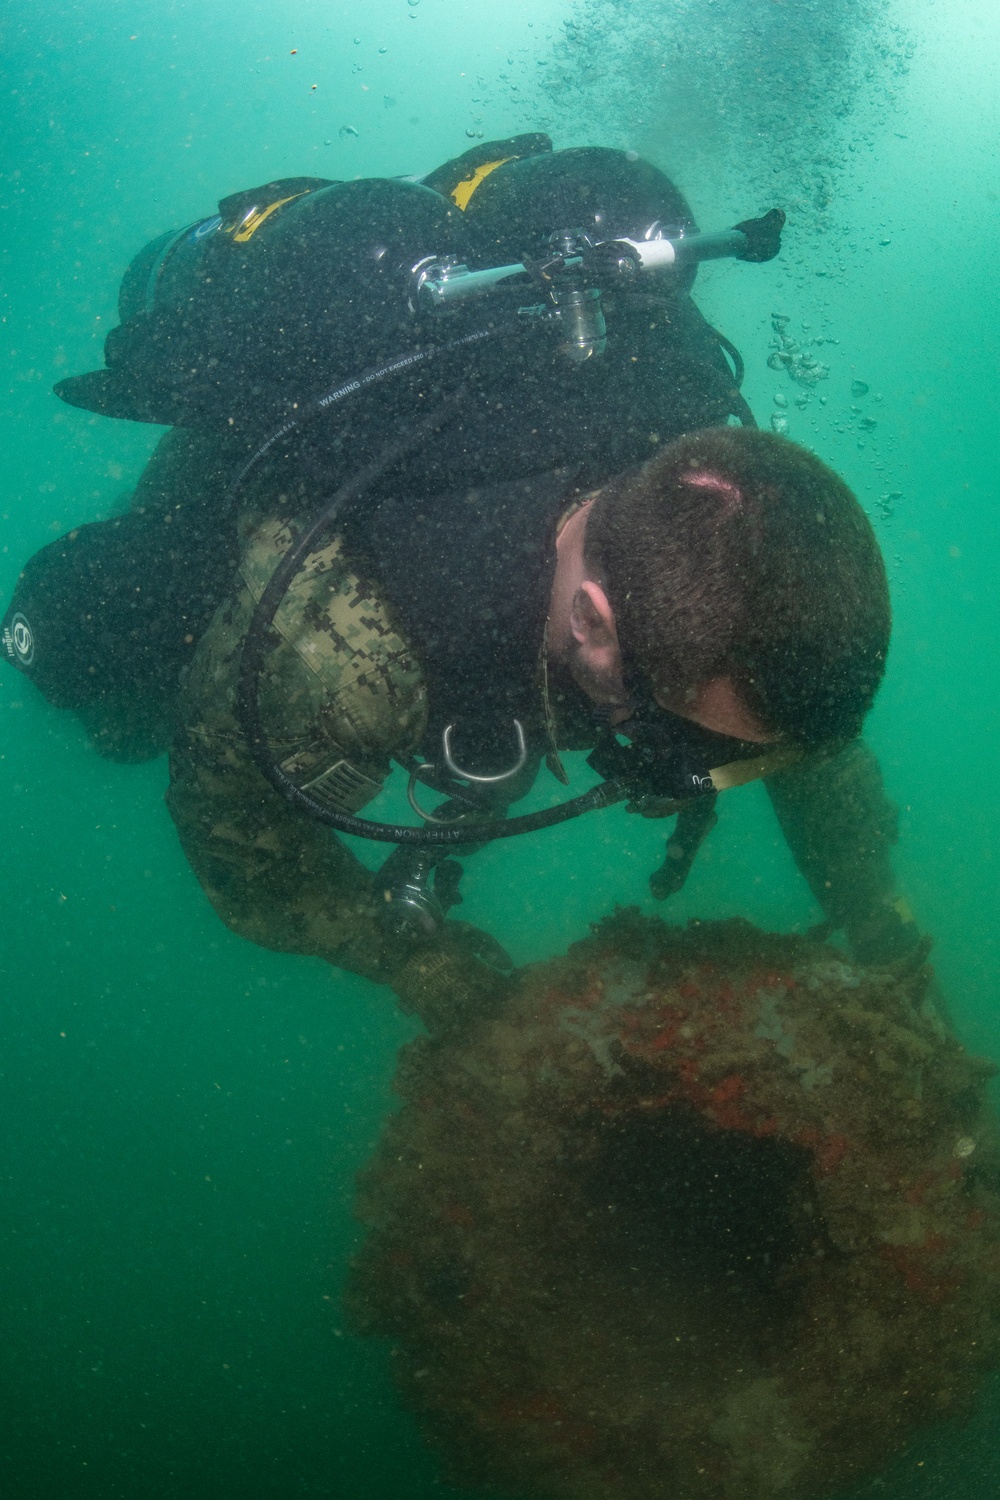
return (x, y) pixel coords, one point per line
(365, 378)
(255, 645)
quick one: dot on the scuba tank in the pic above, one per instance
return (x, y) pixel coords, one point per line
(602, 193)
(286, 290)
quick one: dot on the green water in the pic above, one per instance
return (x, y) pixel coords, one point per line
(183, 1114)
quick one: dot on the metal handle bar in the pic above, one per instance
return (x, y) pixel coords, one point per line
(441, 283)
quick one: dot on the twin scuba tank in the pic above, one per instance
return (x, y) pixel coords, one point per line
(296, 285)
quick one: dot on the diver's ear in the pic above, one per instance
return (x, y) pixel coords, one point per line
(592, 620)
(595, 660)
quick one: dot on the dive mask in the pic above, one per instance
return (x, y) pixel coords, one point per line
(661, 756)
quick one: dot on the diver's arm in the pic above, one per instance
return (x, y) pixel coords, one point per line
(284, 881)
(840, 827)
(273, 874)
(340, 694)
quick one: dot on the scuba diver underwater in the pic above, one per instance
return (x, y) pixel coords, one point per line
(459, 478)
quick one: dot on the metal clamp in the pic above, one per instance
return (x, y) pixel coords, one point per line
(421, 812)
(456, 770)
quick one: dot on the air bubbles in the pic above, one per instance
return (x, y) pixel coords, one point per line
(780, 399)
(787, 355)
(859, 388)
(779, 423)
(349, 132)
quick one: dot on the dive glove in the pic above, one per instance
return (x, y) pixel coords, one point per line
(460, 977)
(887, 937)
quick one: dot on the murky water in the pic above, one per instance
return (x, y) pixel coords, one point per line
(183, 1114)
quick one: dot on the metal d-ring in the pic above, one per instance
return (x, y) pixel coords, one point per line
(456, 770)
(411, 797)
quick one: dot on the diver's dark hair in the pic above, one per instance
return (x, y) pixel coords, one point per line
(737, 553)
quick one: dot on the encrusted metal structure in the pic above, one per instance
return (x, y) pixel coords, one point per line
(706, 1214)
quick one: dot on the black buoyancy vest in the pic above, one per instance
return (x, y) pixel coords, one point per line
(105, 619)
(467, 575)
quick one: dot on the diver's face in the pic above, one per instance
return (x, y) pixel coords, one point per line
(595, 662)
(716, 705)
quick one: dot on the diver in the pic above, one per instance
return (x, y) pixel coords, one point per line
(454, 483)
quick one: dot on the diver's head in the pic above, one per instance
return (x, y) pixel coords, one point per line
(746, 588)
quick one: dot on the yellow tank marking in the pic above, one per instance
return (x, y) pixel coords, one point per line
(256, 217)
(463, 191)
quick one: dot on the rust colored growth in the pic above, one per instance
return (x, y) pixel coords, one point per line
(706, 1214)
